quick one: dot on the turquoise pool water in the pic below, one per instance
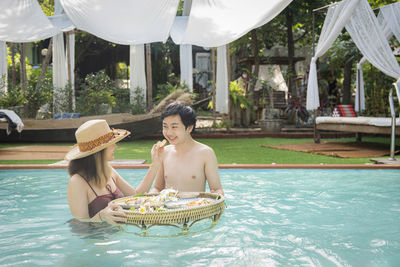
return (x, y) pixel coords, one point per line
(273, 218)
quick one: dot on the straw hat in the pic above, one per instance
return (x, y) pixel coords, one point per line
(93, 136)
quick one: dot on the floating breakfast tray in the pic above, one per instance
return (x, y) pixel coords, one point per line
(178, 213)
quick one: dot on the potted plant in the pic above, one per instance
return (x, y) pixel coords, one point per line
(270, 120)
(239, 104)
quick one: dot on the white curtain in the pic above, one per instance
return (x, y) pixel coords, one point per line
(370, 39)
(222, 92)
(391, 13)
(60, 72)
(3, 67)
(72, 65)
(360, 91)
(137, 73)
(60, 69)
(123, 22)
(216, 23)
(61, 21)
(359, 104)
(186, 64)
(185, 54)
(336, 18)
(24, 21)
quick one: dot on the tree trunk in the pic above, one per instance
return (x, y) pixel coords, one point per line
(149, 82)
(22, 66)
(250, 114)
(13, 70)
(290, 43)
(347, 83)
(254, 43)
(23, 78)
(45, 63)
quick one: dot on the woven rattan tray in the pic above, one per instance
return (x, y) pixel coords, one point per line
(185, 217)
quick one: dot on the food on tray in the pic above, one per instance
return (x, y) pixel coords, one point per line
(200, 202)
(167, 199)
(188, 202)
(163, 143)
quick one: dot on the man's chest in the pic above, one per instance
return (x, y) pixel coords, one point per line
(183, 168)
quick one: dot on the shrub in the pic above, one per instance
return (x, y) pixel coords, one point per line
(96, 90)
(37, 95)
(122, 97)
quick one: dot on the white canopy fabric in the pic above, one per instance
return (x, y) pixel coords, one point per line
(216, 23)
(186, 64)
(370, 39)
(124, 22)
(72, 65)
(60, 70)
(61, 21)
(3, 67)
(137, 71)
(24, 21)
(391, 14)
(367, 34)
(222, 89)
(185, 54)
(335, 20)
(360, 92)
(359, 104)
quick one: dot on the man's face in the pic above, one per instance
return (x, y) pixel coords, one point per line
(174, 129)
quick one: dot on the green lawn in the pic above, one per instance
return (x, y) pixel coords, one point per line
(228, 151)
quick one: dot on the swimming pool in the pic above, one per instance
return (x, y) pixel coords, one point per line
(273, 217)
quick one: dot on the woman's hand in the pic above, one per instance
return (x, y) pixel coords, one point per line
(113, 214)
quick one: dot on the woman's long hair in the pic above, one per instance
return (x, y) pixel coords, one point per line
(93, 168)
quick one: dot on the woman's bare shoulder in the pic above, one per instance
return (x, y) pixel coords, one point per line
(77, 179)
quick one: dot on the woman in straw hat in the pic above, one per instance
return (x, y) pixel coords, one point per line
(93, 182)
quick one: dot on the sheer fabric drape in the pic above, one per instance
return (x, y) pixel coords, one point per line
(186, 60)
(336, 18)
(370, 39)
(391, 13)
(185, 54)
(137, 71)
(124, 22)
(24, 21)
(216, 23)
(360, 91)
(3, 68)
(60, 70)
(221, 103)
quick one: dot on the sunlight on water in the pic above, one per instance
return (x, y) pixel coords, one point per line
(272, 218)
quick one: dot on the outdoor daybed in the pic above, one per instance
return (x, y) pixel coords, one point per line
(358, 125)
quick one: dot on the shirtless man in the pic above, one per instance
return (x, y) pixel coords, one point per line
(186, 163)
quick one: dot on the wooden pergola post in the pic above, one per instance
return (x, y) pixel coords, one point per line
(70, 94)
(213, 83)
(149, 78)
(228, 64)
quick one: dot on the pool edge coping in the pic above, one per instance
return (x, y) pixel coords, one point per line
(222, 166)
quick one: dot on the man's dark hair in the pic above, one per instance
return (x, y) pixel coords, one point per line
(188, 117)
